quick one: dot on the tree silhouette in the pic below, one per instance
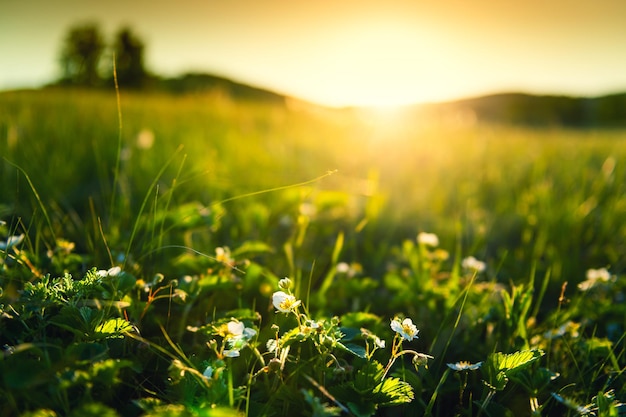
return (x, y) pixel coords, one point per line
(81, 54)
(128, 51)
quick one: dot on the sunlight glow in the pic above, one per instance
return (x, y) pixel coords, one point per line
(387, 121)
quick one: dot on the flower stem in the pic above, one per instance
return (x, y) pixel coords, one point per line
(231, 394)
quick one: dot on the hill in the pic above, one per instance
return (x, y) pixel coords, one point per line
(195, 82)
(548, 110)
(506, 108)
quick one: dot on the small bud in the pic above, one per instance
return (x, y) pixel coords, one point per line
(421, 360)
(274, 365)
(285, 284)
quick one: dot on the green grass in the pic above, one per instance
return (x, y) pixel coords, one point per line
(335, 201)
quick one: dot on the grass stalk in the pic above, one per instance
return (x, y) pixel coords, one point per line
(118, 157)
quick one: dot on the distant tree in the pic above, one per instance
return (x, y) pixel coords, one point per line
(81, 54)
(128, 51)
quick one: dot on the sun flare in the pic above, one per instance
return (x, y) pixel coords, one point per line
(390, 118)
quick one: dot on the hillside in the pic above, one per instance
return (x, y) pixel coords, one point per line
(534, 110)
(507, 108)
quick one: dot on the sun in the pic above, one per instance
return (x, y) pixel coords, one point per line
(387, 120)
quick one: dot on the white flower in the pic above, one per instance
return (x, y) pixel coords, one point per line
(343, 268)
(222, 255)
(428, 239)
(349, 270)
(601, 274)
(235, 328)
(11, 241)
(404, 328)
(237, 331)
(237, 337)
(284, 303)
(594, 277)
(208, 372)
(472, 264)
(379, 342)
(231, 353)
(464, 366)
(112, 272)
(115, 271)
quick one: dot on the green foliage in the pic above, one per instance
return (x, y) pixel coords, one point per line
(499, 367)
(146, 280)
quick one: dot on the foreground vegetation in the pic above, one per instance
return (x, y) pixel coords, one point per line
(196, 255)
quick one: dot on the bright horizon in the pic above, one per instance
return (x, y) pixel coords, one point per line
(345, 53)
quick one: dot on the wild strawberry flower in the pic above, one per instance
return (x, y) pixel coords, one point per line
(405, 328)
(284, 303)
(464, 366)
(237, 329)
(473, 265)
(111, 272)
(595, 277)
(349, 270)
(11, 241)
(222, 255)
(428, 239)
(237, 338)
(601, 274)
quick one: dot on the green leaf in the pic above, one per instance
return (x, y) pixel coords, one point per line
(393, 391)
(113, 328)
(106, 372)
(508, 362)
(349, 333)
(368, 377)
(352, 348)
(534, 381)
(125, 282)
(499, 366)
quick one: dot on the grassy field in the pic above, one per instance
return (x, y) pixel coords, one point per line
(143, 247)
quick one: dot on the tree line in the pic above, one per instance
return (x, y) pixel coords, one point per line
(86, 59)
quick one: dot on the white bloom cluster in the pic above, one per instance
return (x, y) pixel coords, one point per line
(428, 239)
(595, 277)
(473, 265)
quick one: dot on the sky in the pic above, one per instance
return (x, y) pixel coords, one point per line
(344, 52)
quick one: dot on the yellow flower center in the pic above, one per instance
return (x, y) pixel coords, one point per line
(287, 304)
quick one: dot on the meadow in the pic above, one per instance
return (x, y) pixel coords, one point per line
(192, 255)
